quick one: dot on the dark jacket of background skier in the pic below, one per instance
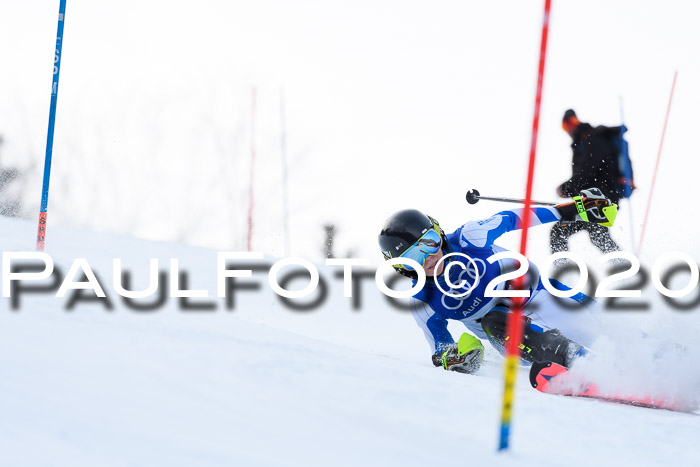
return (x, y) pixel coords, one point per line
(594, 163)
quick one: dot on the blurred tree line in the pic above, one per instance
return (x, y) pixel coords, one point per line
(10, 181)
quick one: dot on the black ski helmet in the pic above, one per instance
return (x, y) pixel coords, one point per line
(402, 230)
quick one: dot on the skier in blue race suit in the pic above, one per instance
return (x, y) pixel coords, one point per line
(458, 291)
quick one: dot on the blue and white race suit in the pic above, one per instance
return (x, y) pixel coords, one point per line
(432, 308)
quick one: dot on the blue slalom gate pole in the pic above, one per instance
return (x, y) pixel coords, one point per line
(41, 231)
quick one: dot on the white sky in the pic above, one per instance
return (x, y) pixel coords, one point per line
(389, 104)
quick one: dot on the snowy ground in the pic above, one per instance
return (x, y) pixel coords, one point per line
(264, 385)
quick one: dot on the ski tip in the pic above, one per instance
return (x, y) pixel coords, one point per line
(541, 373)
(535, 370)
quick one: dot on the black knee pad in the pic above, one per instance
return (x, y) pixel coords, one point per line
(494, 322)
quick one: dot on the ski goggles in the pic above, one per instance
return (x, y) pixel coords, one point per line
(428, 245)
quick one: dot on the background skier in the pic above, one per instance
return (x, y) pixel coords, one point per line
(594, 163)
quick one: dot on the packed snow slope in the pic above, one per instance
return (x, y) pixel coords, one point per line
(265, 385)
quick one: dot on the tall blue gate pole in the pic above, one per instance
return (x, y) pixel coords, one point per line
(41, 232)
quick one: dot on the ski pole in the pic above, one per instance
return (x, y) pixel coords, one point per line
(627, 174)
(656, 167)
(473, 197)
(41, 230)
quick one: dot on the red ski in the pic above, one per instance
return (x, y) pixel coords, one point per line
(552, 378)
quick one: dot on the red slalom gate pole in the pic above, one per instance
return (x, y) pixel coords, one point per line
(251, 188)
(656, 168)
(514, 324)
